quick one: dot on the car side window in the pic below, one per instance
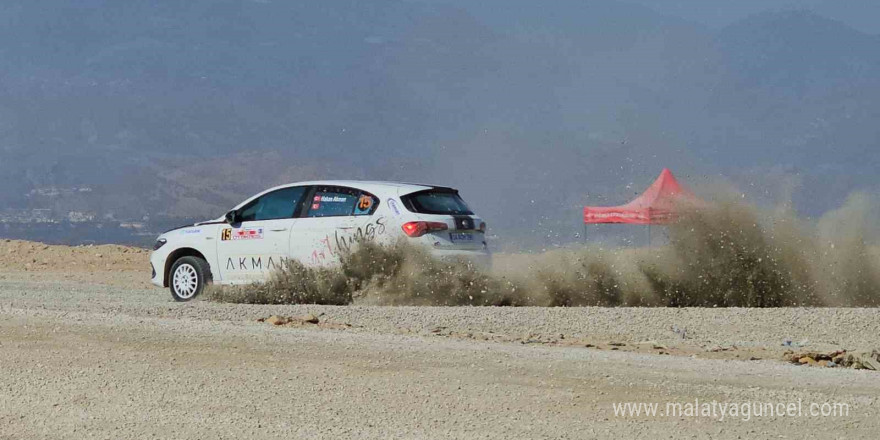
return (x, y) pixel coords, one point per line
(338, 202)
(332, 202)
(275, 205)
(365, 205)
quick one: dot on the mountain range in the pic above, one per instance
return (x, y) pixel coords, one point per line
(532, 109)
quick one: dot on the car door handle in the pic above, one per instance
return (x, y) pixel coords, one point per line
(278, 230)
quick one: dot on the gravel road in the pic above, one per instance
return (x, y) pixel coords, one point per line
(101, 356)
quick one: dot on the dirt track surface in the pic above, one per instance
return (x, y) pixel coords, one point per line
(100, 354)
(29, 256)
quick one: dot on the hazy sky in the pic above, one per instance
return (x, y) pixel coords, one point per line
(532, 109)
(863, 15)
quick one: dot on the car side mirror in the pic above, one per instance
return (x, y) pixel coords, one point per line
(232, 217)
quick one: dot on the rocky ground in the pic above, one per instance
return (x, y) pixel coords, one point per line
(89, 349)
(103, 264)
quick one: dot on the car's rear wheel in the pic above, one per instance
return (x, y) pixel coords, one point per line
(188, 277)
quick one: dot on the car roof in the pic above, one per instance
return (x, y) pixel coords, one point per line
(368, 185)
(372, 186)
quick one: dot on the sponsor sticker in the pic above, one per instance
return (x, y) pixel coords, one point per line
(248, 234)
(365, 203)
(256, 263)
(316, 206)
(393, 205)
(241, 234)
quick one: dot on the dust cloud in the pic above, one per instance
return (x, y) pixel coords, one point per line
(374, 274)
(723, 254)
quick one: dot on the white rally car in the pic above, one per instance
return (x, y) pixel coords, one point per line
(313, 222)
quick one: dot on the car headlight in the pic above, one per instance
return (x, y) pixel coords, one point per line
(159, 243)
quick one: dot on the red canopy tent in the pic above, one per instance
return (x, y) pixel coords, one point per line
(655, 206)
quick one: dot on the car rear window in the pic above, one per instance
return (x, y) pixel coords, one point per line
(444, 202)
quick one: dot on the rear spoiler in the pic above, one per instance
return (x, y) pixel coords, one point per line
(436, 188)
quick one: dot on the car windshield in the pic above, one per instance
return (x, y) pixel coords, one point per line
(436, 202)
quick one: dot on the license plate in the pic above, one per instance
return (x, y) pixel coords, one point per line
(461, 236)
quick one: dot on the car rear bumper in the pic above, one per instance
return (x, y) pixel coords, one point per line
(481, 258)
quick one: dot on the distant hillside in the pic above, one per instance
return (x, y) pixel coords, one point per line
(181, 109)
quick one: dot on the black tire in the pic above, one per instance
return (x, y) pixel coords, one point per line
(193, 272)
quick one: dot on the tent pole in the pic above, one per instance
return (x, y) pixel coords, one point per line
(585, 232)
(649, 235)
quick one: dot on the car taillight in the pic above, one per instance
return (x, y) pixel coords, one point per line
(418, 229)
(483, 227)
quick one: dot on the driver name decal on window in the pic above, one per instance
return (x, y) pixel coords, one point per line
(332, 204)
(331, 199)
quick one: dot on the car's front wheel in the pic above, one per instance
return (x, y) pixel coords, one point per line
(188, 278)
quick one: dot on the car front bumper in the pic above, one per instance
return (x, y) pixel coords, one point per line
(157, 262)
